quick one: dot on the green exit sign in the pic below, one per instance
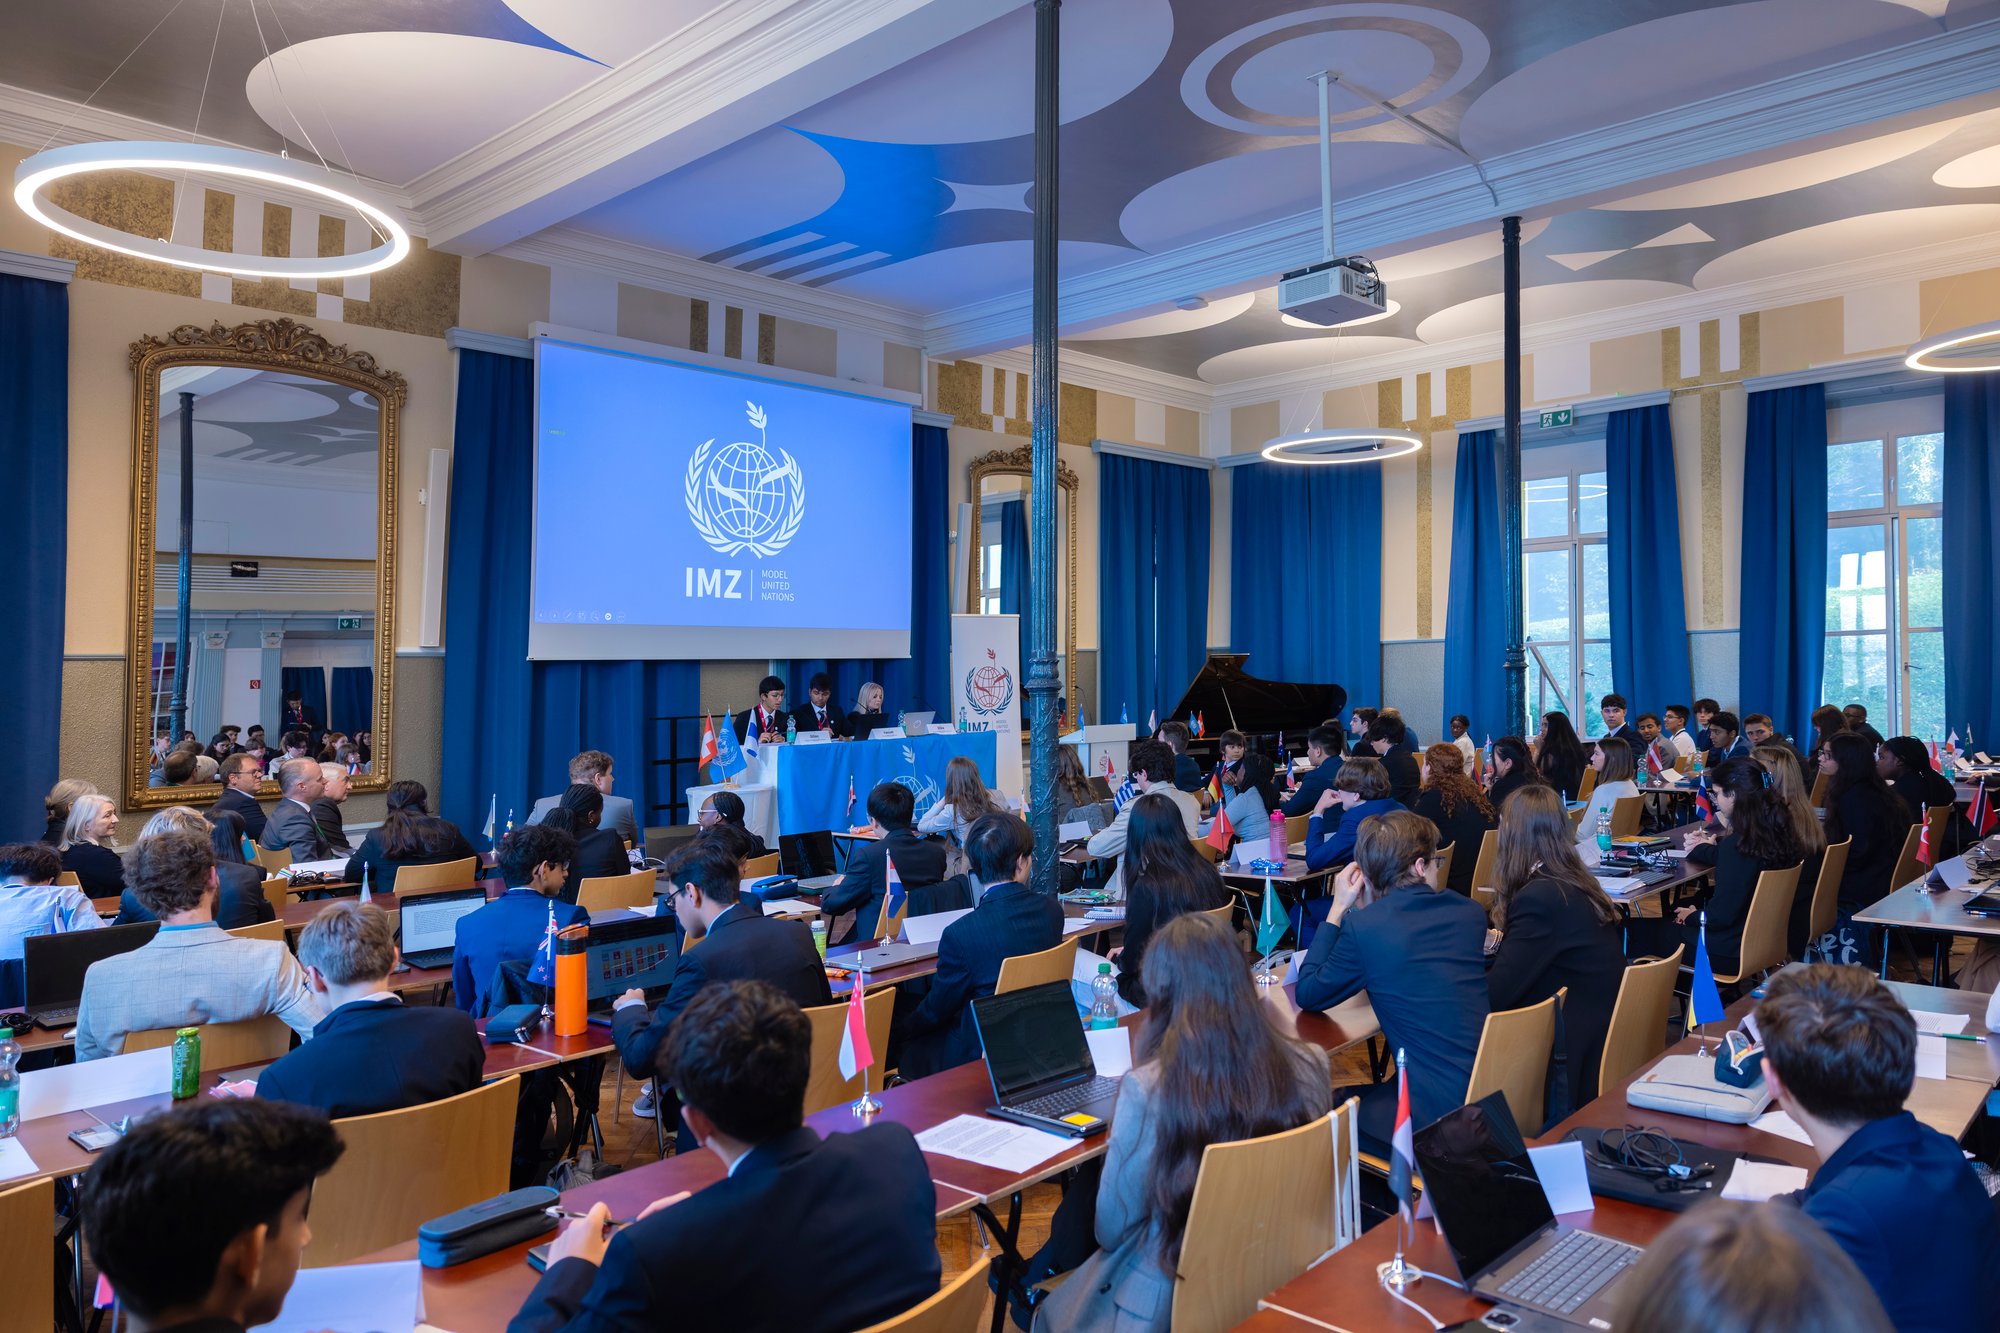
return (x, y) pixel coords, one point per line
(1562, 416)
(349, 622)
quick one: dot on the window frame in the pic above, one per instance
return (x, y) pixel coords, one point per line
(1575, 463)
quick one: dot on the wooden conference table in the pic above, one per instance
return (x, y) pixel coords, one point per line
(1939, 914)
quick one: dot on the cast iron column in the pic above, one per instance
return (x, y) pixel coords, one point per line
(177, 710)
(1042, 681)
(1509, 466)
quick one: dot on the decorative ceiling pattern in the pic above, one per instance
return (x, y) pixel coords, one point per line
(273, 419)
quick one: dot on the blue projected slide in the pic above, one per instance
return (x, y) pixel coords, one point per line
(683, 512)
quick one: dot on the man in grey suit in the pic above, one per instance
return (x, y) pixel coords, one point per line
(291, 823)
(192, 971)
(594, 767)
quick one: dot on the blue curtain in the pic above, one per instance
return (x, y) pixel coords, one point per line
(1014, 574)
(310, 682)
(1322, 625)
(34, 542)
(511, 725)
(1475, 631)
(1782, 644)
(353, 702)
(1972, 556)
(1649, 642)
(1153, 577)
(919, 680)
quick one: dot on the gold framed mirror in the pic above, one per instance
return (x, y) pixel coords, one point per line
(291, 533)
(1000, 478)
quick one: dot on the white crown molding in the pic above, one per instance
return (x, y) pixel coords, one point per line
(1089, 371)
(740, 68)
(1934, 70)
(642, 266)
(1845, 381)
(1586, 409)
(925, 417)
(1124, 450)
(24, 265)
(474, 340)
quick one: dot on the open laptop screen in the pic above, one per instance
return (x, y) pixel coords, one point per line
(639, 954)
(1482, 1186)
(430, 921)
(1031, 1037)
(52, 966)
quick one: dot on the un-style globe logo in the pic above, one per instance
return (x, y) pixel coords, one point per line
(989, 687)
(744, 496)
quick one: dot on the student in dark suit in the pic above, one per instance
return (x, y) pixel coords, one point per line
(1187, 773)
(1387, 740)
(1419, 953)
(1612, 709)
(1360, 790)
(295, 716)
(724, 1259)
(1558, 928)
(1458, 810)
(765, 719)
(1011, 919)
(1323, 747)
(240, 900)
(1724, 743)
(918, 861)
(1164, 878)
(1905, 765)
(241, 777)
(410, 836)
(534, 862)
(724, 809)
(1859, 804)
(1856, 717)
(599, 851)
(371, 1052)
(818, 712)
(1560, 756)
(1840, 1056)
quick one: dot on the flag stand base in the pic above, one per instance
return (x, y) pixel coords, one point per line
(1398, 1274)
(865, 1104)
(1267, 977)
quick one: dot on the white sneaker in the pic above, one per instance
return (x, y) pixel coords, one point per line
(643, 1107)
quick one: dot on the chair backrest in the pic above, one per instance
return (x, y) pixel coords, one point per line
(1826, 894)
(1486, 898)
(402, 1168)
(1514, 1051)
(889, 924)
(1489, 857)
(1226, 913)
(262, 930)
(68, 879)
(224, 1045)
(1818, 796)
(274, 894)
(274, 859)
(606, 893)
(824, 1086)
(1764, 924)
(1263, 1210)
(1208, 851)
(1586, 784)
(1638, 1030)
(1440, 866)
(1939, 818)
(1908, 868)
(759, 866)
(1684, 763)
(444, 875)
(1295, 828)
(1625, 816)
(1032, 969)
(959, 1307)
(27, 1220)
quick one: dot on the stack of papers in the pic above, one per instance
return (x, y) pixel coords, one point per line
(15, 1162)
(1939, 1023)
(996, 1143)
(383, 1298)
(1777, 1122)
(1755, 1182)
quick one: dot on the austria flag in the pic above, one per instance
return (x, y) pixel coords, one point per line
(855, 1052)
(1402, 1146)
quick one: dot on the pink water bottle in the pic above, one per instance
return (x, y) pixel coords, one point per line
(1278, 850)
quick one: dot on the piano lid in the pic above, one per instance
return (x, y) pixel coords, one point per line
(1228, 696)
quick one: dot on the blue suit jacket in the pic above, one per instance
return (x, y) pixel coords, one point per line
(919, 861)
(379, 1055)
(1313, 786)
(1187, 773)
(726, 1258)
(1902, 1201)
(1010, 919)
(1323, 850)
(508, 929)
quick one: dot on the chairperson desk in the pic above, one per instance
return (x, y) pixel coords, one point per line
(808, 785)
(1940, 914)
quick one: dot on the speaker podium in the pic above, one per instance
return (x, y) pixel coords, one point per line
(1097, 743)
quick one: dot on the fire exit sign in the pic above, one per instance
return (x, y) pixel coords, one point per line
(1561, 416)
(349, 622)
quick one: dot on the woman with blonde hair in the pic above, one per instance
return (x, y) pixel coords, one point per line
(1788, 785)
(240, 899)
(1557, 928)
(86, 847)
(1453, 802)
(58, 802)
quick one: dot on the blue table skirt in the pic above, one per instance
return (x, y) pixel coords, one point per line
(813, 780)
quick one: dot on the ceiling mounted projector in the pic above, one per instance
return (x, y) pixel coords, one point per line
(1334, 291)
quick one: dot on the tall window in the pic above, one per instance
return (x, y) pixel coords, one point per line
(989, 580)
(1885, 566)
(1566, 582)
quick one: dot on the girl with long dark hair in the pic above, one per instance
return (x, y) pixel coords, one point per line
(599, 851)
(1513, 769)
(1559, 755)
(1165, 878)
(410, 836)
(1860, 805)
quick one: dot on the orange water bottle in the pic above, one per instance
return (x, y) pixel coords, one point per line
(572, 985)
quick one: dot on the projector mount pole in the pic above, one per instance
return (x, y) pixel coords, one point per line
(1508, 464)
(177, 709)
(1323, 78)
(1042, 681)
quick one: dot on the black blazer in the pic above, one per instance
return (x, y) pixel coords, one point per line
(1727, 900)
(860, 724)
(1553, 940)
(1187, 773)
(99, 870)
(1010, 919)
(836, 721)
(240, 902)
(382, 869)
(725, 1258)
(1878, 824)
(742, 945)
(1928, 790)
(598, 852)
(379, 1055)
(1521, 775)
(326, 814)
(1312, 786)
(1565, 778)
(919, 861)
(1420, 954)
(245, 807)
(1463, 832)
(1143, 918)
(1405, 778)
(742, 723)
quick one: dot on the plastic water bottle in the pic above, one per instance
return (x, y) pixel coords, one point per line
(1603, 834)
(1104, 999)
(791, 728)
(10, 1084)
(367, 894)
(1277, 850)
(961, 719)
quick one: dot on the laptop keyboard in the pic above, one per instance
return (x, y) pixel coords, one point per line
(429, 958)
(1055, 1105)
(52, 1019)
(1569, 1272)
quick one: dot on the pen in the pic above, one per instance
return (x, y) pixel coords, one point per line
(1962, 1036)
(554, 1211)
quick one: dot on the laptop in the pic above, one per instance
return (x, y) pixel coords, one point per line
(429, 924)
(1039, 1061)
(639, 953)
(1496, 1221)
(918, 724)
(52, 968)
(889, 953)
(1102, 790)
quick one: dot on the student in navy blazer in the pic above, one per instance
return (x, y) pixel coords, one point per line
(1359, 790)
(1840, 1057)
(1419, 953)
(1011, 919)
(534, 863)
(726, 1258)
(1323, 748)
(371, 1052)
(918, 860)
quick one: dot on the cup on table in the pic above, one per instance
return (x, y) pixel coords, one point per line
(819, 938)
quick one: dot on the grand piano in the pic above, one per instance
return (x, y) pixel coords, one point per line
(1227, 696)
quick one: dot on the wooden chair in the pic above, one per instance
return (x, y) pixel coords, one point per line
(1576, 818)
(224, 1045)
(274, 894)
(1208, 851)
(1908, 868)
(1625, 816)
(1587, 784)
(1683, 764)
(1514, 1051)
(262, 930)
(824, 1085)
(1441, 866)
(445, 875)
(608, 893)
(1638, 1030)
(1032, 969)
(27, 1222)
(1226, 913)
(1826, 894)
(274, 860)
(402, 1168)
(1818, 797)
(1263, 1210)
(68, 879)
(1295, 828)
(960, 1307)
(1486, 898)
(1763, 946)
(1939, 818)
(1489, 856)
(759, 866)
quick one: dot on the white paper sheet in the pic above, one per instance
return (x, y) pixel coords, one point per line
(1074, 831)
(14, 1160)
(995, 1143)
(1755, 1182)
(1930, 1056)
(117, 1078)
(382, 1298)
(1110, 1050)
(1071, 925)
(1250, 849)
(788, 907)
(1777, 1122)
(1941, 1023)
(332, 865)
(1565, 1179)
(929, 929)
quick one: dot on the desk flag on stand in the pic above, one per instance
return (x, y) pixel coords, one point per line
(1925, 856)
(1932, 747)
(893, 896)
(543, 971)
(492, 815)
(850, 796)
(1152, 722)
(1109, 772)
(1220, 830)
(1486, 761)
(708, 751)
(1122, 714)
(1215, 784)
(749, 746)
(1270, 920)
(1983, 815)
(855, 1052)
(1402, 1147)
(1704, 998)
(729, 757)
(1702, 806)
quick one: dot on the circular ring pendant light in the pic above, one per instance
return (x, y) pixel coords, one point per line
(37, 173)
(1958, 352)
(1344, 445)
